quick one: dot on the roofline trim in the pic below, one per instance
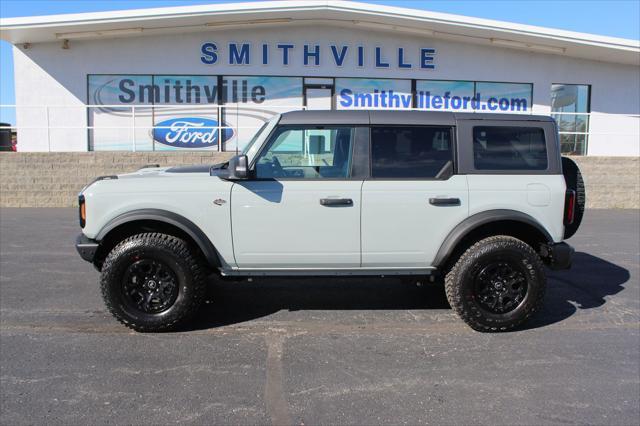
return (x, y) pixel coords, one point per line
(418, 16)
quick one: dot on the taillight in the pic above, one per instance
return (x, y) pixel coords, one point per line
(569, 206)
(82, 211)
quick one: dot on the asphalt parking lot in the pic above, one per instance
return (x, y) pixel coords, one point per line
(322, 351)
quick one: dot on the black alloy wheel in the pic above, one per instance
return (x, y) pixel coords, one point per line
(500, 286)
(150, 286)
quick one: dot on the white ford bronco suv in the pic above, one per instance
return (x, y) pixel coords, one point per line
(482, 200)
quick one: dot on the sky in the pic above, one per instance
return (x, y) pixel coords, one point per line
(616, 18)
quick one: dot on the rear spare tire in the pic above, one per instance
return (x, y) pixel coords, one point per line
(574, 181)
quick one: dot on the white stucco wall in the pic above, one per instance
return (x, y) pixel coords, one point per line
(46, 74)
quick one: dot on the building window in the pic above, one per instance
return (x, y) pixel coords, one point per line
(570, 106)
(370, 93)
(169, 112)
(474, 96)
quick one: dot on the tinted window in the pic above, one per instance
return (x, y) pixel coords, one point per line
(409, 152)
(307, 153)
(509, 148)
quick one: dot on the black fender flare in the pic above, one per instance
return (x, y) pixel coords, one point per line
(174, 219)
(473, 222)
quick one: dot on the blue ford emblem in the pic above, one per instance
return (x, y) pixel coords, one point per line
(190, 132)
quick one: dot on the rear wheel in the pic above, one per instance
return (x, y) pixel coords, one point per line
(152, 282)
(497, 284)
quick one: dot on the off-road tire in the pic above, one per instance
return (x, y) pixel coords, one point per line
(459, 283)
(188, 267)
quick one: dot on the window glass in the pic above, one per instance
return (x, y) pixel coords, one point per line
(445, 95)
(570, 98)
(570, 108)
(366, 93)
(251, 100)
(409, 152)
(572, 122)
(509, 148)
(254, 138)
(504, 97)
(307, 153)
(573, 143)
(112, 122)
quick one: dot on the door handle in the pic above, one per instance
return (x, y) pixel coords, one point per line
(444, 201)
(332, 202)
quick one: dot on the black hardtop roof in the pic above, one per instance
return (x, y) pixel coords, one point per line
(398, 117)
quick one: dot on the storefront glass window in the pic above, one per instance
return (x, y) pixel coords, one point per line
(444, 95)
(251, 101)
(111, 123)
(168, 112)
(186, 113)
(472, 96)
(365, 93)
(570, 107)
(504, 97)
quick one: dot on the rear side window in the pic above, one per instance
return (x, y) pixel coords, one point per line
(509, 148)
(409, 152)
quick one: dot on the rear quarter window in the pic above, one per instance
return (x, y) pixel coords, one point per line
(509, 148)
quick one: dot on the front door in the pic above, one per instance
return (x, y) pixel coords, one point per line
(302, 210)
(412, 200)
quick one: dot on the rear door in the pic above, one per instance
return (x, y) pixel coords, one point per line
(413, 198)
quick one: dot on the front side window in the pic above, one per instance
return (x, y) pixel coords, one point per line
(509, 148)
(307, 153)
(409, 152)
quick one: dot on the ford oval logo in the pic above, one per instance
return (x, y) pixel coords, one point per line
(190, 132)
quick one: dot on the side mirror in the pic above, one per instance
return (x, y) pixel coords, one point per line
(238, 167)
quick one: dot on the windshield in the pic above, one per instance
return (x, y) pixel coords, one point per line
(256, 142)
(256, 137)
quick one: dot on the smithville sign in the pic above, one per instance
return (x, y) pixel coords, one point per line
(212, 53)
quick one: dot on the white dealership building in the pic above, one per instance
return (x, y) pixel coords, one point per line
(206, 77)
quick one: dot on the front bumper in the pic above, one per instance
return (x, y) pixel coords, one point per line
(86, 247)
(558, 255)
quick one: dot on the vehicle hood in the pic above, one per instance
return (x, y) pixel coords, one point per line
(175, 178)
(177, 171)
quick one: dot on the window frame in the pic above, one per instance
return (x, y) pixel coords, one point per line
(360, 132)
(452, 138)
(586, 134)
(466, 161)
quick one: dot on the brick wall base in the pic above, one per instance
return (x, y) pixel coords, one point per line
(35, 179)
(53, 179)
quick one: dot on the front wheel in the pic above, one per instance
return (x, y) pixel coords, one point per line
(497, 284)
(152, 282)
